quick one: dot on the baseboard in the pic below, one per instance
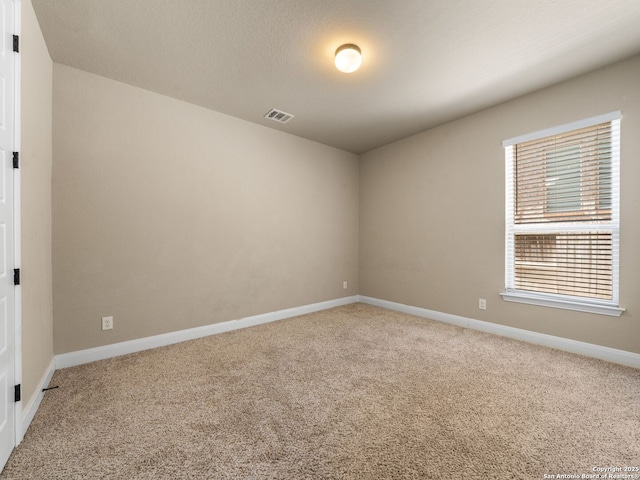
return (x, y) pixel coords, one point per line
(31, 409)
(80, 357)
(582, 348)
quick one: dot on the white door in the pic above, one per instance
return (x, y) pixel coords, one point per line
(7, 339)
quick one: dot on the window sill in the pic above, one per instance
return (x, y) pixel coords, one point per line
(560, 302)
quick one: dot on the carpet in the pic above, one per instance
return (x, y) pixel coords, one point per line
(355, 392)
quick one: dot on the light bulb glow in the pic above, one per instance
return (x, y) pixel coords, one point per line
(348, 58)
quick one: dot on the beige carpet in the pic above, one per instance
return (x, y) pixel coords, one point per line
(352, 392)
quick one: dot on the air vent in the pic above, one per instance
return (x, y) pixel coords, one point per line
(279, 116)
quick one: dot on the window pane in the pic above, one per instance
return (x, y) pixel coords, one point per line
(578, 264)
(564, 178)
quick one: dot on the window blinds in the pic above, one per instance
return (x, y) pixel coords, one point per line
(578, 264)
(562, 211)
(564, 178)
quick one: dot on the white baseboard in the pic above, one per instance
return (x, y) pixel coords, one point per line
(31, 409)
(582, 348)
(80, 357)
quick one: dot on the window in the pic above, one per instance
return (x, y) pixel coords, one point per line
(562, 216)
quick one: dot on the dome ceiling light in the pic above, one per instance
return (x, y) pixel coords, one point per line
(348, 58)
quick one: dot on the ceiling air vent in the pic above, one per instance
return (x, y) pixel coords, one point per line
(278, 116)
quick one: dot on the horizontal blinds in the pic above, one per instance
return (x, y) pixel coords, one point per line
(578, 264)
(565, 177)
(562, 210)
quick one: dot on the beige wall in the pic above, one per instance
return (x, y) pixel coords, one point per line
(432, 211)
(170, 216)
(36, 101)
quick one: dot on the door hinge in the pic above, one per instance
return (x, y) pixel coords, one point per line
(16, 393)
(16, 43)
(16, 160)
(16, 276)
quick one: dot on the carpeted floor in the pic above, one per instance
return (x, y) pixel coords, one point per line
(352, 392)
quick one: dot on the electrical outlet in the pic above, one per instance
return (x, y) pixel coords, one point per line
(344, 284)
(107, 323)
(482, 304)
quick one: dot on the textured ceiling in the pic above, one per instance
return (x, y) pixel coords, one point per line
(425, 62)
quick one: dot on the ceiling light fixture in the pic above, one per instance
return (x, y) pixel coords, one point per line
(348, 58)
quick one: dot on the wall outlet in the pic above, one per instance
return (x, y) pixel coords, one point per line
(107, 323)
(482, 304)
(344, 284)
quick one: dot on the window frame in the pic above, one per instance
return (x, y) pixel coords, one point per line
(569, 302)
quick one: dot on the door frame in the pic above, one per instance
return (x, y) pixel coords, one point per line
(17, 253)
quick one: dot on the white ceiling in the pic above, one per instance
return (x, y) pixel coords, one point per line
(425, 62)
